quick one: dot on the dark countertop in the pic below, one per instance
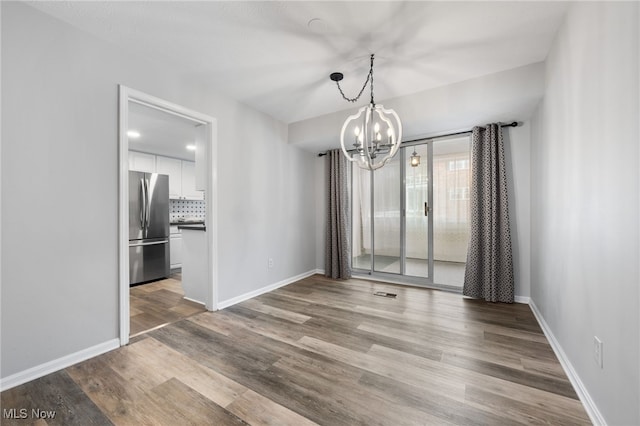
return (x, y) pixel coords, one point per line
(193, 227)
(188, 222)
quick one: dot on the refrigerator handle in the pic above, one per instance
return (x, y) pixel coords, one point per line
(143, 210)
(152, 243)
(148, 219)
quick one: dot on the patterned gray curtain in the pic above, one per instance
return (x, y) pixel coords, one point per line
(489, 271)
(337, 262)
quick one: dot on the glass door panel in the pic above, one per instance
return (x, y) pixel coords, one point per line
(361, 248)
(417, 212)
(386, 217)
(451, 183)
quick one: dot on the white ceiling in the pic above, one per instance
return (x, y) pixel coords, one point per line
(161, 133)
(266, 55)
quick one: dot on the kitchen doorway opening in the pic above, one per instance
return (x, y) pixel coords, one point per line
(158, 303)
(194, 190)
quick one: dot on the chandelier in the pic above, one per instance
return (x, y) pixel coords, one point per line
(376, 132)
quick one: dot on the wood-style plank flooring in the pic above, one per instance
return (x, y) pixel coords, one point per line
(159, 303)
(322, 352)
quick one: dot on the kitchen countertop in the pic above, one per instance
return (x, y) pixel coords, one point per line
(188, 222)
(193, 227)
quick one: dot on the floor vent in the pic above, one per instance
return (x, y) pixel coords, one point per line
(385, 294)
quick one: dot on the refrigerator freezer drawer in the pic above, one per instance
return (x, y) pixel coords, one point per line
(148, 261)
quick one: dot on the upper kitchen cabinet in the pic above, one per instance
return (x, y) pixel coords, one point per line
(173, 168)
(182, 173)
(189, 182)
(142, 162)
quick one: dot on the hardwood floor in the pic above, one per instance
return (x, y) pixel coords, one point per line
(159, 303)
(323, 352)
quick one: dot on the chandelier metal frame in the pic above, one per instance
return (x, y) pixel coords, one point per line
(370, 149)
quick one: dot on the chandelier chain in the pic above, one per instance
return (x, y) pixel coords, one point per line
(364, 86)
(371, 74)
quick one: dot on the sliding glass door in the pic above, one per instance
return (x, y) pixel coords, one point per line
(411, 221)
(386, 218)
(451, 182)
(376, 218)
(418, 226)
(361, 229)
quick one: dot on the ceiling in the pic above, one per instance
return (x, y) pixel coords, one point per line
(276, 56)
(161, 133)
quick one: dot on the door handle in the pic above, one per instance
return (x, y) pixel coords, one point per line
(143, 210)
(426, 209)
(148, 204)
(153, 243)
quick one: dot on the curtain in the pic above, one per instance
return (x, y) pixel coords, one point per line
(489, 271)
(338, 254)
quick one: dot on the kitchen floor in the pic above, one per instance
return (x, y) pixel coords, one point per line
(159, 303)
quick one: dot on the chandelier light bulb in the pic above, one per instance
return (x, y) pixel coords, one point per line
(357, 131)
(376, 127)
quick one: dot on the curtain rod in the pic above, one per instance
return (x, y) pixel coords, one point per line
(512, 124)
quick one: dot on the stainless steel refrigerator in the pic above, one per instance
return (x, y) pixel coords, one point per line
(148, 227)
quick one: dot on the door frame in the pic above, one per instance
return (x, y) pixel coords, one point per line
(401, 278)
(209, 156)
(404, 148)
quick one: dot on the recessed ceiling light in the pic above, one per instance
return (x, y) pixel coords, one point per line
(191, 147)
(133, 134)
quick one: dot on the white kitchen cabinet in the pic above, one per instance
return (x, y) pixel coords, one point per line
(173, 168)
(182, 173)
(175, 248)
(142, 162)
(189, 182)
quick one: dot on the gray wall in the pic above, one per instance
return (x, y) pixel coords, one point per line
(60, 187)
(503, 96)
(584, 174)
(506, 96)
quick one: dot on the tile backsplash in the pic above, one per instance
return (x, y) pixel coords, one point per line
(186, 209)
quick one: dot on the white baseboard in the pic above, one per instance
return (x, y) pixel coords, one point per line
(252, 294)
(522, 299)
(193, 300)
(589, 405)
(57, 364)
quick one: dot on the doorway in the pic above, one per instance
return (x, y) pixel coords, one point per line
(205, 165)
(410, 218)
